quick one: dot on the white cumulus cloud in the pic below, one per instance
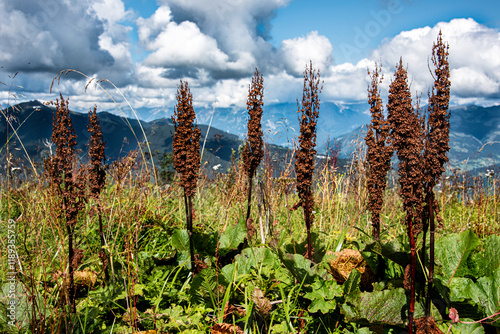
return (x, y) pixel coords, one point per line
(474, 61)
(299, 51)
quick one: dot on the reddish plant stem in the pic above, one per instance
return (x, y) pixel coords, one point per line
(71, 287)
(249, 197)
(413, 272)
(308, 219)
(431, 251)
(103, 243)
(189, 222)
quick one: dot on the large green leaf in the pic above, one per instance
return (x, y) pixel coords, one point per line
(351, 285)
(489, 293)
(378, 307)
(180, 240)
(484, 292)
(460, 328)
(254, 259)
(492, 254)
(452, 252)
(299, 267)
(232, 237)
(323, 295)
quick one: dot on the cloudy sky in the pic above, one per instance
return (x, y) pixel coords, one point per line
(144, 47)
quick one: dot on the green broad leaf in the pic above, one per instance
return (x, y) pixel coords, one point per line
(492, 254)
(138, 291)
(254, 259)
(460, 328)
(452, 252)
(323, 295)
(232, 237)
(461, 288)
(351, 285)
(299, 267)
(378, 307)
(488, 294)
(484, 292)
(392, 250)
(180, 240)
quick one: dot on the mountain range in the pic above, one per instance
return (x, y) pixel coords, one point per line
(474, 134)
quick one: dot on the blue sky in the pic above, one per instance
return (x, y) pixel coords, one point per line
(342, 21)
(145, 47)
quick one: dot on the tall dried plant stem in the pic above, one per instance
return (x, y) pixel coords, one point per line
(304, 156)
(186, 147)
(379, 151)
(406, 137)
(252, 151)
(97, 178)
(67, 183)
(436, 146)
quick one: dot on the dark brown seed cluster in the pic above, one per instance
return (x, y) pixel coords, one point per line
(379, 151)
(252, 152)
(406, 137)
(304, 157)
(97, 174)
(186, 142)
(438, 122)
(186, 146)
(67, 182)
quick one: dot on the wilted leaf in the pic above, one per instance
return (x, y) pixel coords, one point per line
(226, 329)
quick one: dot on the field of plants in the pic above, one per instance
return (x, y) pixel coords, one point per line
(304, 245)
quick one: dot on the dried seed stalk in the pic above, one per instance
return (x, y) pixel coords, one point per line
(304, 157)
(67, 182)
(186, 147)
(97, 177)
(379, 151)
(436, 145)
(252, 151)
(406, 137)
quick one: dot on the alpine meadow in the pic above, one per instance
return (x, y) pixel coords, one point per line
(295, 239)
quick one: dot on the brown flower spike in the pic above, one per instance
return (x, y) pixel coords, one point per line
(379, 151)
(186, 146)
(97, 177)
(406, 136)
(304, 157)
(252, 151)
(436, 145)
(67, 182)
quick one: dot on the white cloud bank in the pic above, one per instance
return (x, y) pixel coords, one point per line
(216, 46)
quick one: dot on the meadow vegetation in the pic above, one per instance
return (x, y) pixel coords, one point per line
(114, 249)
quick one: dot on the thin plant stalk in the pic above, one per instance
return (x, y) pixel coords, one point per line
(436, 146)
(186, 146)
(252, 151)
(308, 112)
